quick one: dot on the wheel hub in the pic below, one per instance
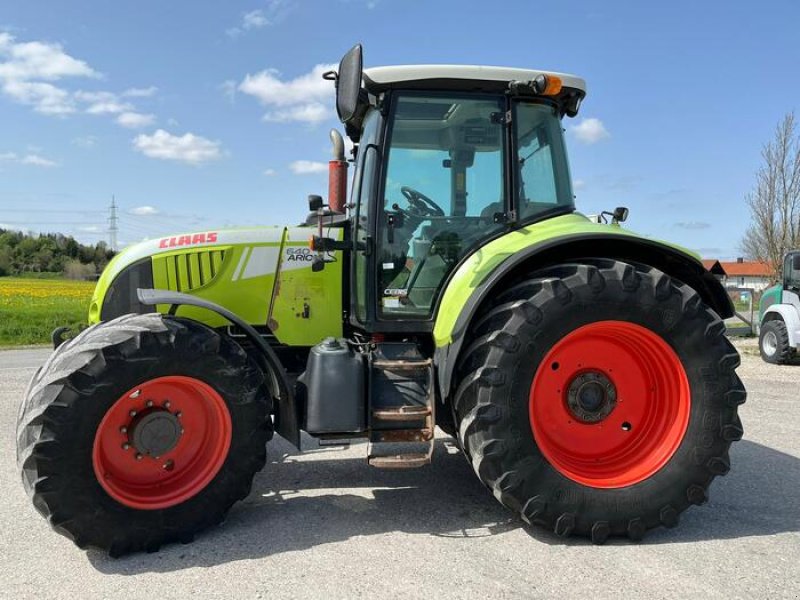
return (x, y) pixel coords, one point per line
(162, 442)
(591, 397)
(155, 433)
(770, 343)
(609, 404)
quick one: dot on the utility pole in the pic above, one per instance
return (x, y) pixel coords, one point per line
(112, 225)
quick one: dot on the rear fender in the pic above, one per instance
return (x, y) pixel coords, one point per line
(604, 243)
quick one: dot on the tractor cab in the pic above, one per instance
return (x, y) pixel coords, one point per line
(447, 158)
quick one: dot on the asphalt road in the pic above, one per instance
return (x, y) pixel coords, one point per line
(323, 524)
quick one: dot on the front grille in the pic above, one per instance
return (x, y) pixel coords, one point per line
(192, 270)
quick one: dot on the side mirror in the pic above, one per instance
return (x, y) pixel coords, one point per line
(620, 214)
(314, 202)
(348, 83)
(796, 262)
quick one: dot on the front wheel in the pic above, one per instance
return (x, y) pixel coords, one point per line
(773, 343)
(598, 399)
(142, 431)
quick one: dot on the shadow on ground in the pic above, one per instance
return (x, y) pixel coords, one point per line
(757, 498)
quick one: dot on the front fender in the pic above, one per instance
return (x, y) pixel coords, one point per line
(287, 421)
(790, 316)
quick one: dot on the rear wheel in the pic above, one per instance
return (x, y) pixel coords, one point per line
(773, 342)
(142, 431)
(598, 399)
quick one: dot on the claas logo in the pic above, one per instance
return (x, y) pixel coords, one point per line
(188, 240)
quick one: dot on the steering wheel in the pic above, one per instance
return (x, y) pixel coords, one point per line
(421, 204)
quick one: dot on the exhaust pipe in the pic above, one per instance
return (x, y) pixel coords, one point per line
(337, 175)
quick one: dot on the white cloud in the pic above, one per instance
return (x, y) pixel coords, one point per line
(305, 98)
(85, 141)
(144, 211)
(307, 167)
(134, 120)
(140, 92)
(229, 90)
(89, 228)
(590, 131)
(270, 172)
(274, 12)
(28, 71)
(103, 103)
(33, 160)
(693, 225)
(578, 184)
(255, 19)
(306, 113)
(24, 61)
(37, 161)
(28, 68)
(188, 148)
(45, 98)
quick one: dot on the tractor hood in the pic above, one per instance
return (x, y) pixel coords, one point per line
(234, 268)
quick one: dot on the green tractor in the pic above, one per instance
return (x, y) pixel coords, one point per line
(779, 312)
(583, 369)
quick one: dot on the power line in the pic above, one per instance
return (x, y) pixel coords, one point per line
(88, 223)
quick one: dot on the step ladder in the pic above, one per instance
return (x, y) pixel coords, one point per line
(415, 422)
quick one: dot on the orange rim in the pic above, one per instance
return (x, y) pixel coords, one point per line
(609, 404)
(162, 442)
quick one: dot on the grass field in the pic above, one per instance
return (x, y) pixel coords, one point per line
(31, 308)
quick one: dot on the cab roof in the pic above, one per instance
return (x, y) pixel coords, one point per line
(473, 77)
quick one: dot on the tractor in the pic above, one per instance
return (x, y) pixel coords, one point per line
(779, 312)
(582, 369)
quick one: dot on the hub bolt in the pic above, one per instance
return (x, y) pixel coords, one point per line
(123, 429)
(166, 404)
(179, 414)
(149, 403)
(169, 465)
(132, 413)
(139, 456)
(126, 446)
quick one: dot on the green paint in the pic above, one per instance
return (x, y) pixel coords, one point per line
(770, 296)
(301, 310)
(478, 266)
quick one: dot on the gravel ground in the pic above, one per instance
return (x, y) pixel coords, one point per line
(324, 524)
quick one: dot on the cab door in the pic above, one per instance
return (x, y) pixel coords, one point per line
(364, 184)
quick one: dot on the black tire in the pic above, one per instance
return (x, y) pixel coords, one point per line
(69, 396)
(509, 339)
(778, 352)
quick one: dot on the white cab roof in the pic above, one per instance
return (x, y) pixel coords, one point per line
(384, 77)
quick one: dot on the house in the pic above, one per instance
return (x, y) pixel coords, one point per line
(713, 265)
(753, 275)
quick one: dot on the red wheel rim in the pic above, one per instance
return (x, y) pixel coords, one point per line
(127, 457)
(647, 404)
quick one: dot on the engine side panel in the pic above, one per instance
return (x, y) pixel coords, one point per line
(263, 275)
(306, 306)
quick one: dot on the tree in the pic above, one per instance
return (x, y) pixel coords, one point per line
(775, 200)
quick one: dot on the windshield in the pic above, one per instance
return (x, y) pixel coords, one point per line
(444, 193)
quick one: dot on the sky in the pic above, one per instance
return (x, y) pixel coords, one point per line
(200, 114)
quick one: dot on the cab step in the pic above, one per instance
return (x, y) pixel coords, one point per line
(402, 413)
(400, 461)
(401, 388)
